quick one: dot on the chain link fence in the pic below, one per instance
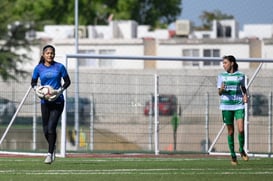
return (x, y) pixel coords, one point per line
(112, 117)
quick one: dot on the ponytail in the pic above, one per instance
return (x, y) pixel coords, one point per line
(235, 66)
(42, 60)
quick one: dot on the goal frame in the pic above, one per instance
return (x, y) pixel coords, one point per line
(161, 58)
(144, 58)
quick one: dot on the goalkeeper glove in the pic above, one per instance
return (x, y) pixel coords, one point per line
(56, 94)
(39, 92)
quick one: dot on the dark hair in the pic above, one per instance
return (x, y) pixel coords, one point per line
(42, 60)
(231, 58)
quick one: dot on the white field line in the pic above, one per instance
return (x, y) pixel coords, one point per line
(175, 171)
(116, 159)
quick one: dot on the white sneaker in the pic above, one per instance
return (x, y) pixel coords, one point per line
(48, 159)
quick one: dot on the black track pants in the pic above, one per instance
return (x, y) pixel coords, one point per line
(51, 113)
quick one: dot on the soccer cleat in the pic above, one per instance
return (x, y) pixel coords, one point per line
(48, 159)
(234, 161)
(244, 156)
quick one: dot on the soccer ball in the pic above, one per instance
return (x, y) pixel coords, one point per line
(45, 92)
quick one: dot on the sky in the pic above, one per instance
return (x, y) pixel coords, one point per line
(244, 11)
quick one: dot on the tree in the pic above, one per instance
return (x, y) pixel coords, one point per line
(149, 12)
(208, 17)
(155, 13)
(12, 34)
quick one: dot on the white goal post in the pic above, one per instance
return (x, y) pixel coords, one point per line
(155, 58)
(160, 58)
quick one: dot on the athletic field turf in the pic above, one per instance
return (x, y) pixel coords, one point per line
(134, 169)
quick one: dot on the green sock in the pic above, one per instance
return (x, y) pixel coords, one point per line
(231, 145)
(241, 138)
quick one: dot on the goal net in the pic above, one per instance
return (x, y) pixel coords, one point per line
(112, 110)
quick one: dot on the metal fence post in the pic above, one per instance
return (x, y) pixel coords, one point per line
(270, 123)
(156, 120)
(92, 124)
(207, 122)
(151, 122)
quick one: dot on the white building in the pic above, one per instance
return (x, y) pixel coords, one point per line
(128, 38)
(260, 31)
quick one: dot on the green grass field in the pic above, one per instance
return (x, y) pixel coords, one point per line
(135, 169)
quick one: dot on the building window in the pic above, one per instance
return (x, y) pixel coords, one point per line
(205, 36)
(106, 63)
(211, 53)
(224, 31)
(190, 53)
(87, 61)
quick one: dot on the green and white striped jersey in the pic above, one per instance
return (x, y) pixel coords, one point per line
(232, 97)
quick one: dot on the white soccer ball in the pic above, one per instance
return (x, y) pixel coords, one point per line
(45, 92)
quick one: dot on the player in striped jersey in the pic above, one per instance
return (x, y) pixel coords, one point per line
(231, 88)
